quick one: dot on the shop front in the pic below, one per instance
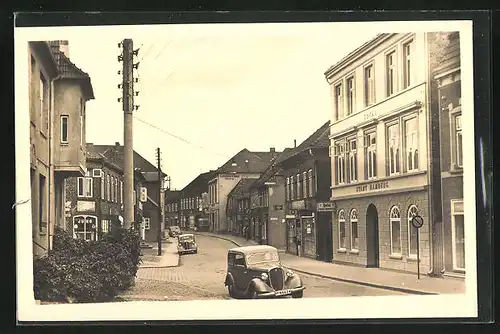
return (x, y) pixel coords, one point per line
(300, 229)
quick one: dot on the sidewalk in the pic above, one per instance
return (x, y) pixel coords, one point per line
(372, 277)
(169, 257)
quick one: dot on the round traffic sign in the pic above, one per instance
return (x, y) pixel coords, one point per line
(417, 221)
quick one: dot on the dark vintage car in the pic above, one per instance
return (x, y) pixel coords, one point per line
(256, 272)
(174, 231)
(186, 243)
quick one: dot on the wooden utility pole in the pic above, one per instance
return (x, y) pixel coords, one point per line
(160, 218)
(127, 99)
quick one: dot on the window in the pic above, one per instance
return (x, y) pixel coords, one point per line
(339, 160)
(411, 145)
(393, 149)
(458, 156)
(292, 187)
(121, 192)
(299, 187)
(407, 72)
(395, 226)
(354, 230)
(102, 185)
(391, 73)
(33, 97)
(85, 227)
(105, 226)
(350, 96)
(42, 208)
(369, 86)
(305, 185)
(412, 232)
(239, 260)
(135, 197)
(44, 119)
(147, 223)
(311, 184)
(289, 189)
(370, 142)
(96, 172)
(64, 129)
(353, 161)
(458, 234)
(84, 186)
(82, 132)
(342, 241)
(339, 102)
(108, 188)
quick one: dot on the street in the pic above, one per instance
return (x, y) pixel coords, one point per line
(201, 276)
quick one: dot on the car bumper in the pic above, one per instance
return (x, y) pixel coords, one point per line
(183, 251)
(280, 293)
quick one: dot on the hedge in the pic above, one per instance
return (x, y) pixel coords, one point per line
(87, 271)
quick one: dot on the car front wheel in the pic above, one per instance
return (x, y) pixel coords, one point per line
(298, 294)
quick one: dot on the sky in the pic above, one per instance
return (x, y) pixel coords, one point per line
(208, 91)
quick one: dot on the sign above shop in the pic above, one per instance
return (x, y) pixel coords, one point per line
(290, 216)
(299, 205)
(325, 206)
(372, 186)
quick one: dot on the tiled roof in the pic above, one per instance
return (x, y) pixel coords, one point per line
(273, 169)
(248, 162)
(241, 188)
(199, 183)
(450, 53)
(319, 139)
(94, 154)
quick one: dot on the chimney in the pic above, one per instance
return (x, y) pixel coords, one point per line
(272, 150)
(295, 143)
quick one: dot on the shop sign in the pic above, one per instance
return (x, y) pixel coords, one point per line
(325, 206)
(273, 218)
(372, 186)
(85, 206)
(278, 207)
(299, 205)
(290, 216)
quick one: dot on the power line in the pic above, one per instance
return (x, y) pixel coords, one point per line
(180, 138)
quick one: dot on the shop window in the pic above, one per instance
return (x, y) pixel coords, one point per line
(412, 232)
(395, 227)
(458, 234)
(342, 234)
(354, 230)
(85, 227)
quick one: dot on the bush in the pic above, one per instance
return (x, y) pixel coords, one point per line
(84, 271)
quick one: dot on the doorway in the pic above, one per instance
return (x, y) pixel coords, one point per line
(324, 238)
(372, 237)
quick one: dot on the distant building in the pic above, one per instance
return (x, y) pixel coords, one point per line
(307, 174)
(238, 207)
(190, 200)
(58, 91)
(172, 205)
(244, 164)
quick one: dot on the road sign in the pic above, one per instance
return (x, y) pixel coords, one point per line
(417, 221)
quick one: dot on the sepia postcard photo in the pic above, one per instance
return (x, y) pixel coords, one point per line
(245, 171)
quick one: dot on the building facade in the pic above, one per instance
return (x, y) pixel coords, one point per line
(190, 200)
(244, 164)
(306, 170)
(172, 207)
(58, 91)
(451, 252)
(238, 207)
(382, 155)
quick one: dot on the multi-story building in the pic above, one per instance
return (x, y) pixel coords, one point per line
(269, 192)
(450, 252)
(172, 207)
(190, 201)
(382, 136)
(58, 92)
(307, 173)
(238, 207)
(244, 164)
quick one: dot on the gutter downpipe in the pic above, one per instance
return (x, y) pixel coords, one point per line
(52, 204)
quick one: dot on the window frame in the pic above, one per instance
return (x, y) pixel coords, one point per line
(310, 182)
(405, 120)
(353, 219)
(147, 223)
(454, 213)
(86, 180)
(370, 148)
(397, 157)
(305, 185)
(339, 99)
(407, 80)
(341, 220)
(394, 67)
(339, 158)
(352, 154)
(62, 132)
(410, 227)
(299, 186)
(456, 112)
(391, 221)
(103, 185)
(350, 95)
(369, 97)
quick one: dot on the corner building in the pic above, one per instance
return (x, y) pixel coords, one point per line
(379, 149)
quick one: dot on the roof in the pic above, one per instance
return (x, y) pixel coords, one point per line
(172, 196)
(350, 57)
(68, 70)
(200, 183)
(241, 188)
(248, 162)
(253, 249)
(273, 169)
(319, 139)
(94, 154)
(446, 56)
(44, 49)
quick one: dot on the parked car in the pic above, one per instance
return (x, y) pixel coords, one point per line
(256, 272)
(186, 243)
(174, 231)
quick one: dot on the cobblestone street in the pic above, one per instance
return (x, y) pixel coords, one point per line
(202, 276)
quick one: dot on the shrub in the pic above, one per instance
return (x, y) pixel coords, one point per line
(86, 271)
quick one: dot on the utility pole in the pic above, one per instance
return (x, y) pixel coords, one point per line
(127, 86)
(160, 218)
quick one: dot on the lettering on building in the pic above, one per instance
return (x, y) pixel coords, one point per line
(370, 114)
(373, 186)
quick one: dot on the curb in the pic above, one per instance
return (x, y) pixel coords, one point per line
(339, 279)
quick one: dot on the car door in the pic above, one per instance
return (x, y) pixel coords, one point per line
(240, 272)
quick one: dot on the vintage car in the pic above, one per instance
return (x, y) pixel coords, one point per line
(174, 231)
(256, 272)
(186, 243)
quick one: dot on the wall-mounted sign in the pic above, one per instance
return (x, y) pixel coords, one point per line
(290, 216)
(229, 176)
(85, 206)
(299, 205)
(278, 207)
(373, 186)
(273, 218)
(325, 206)
(144, 194)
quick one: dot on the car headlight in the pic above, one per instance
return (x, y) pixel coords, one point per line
(289, 273)
(264, 276)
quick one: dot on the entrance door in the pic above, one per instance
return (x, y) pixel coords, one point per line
(372, 237)
(324, 237)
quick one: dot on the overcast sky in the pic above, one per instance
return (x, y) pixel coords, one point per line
(221, 88)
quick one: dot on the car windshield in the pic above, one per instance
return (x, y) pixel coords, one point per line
(263, 257)
(184, 238)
